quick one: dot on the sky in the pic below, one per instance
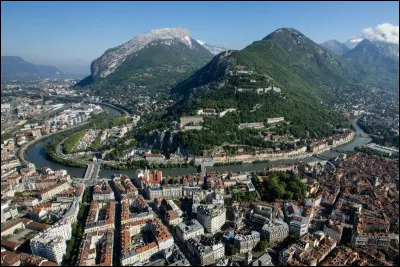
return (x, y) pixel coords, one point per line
(70, 35)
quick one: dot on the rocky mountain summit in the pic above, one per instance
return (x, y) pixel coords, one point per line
(114, 57)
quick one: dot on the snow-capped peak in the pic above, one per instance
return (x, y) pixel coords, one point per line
(353, 42)
(168, 33)
(356, 40)
(215, 50)
(109, 61)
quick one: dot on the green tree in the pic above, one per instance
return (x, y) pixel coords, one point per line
(261, 246)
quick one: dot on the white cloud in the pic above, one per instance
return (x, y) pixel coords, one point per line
(385, 32)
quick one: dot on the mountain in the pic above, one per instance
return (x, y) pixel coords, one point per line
(13, 67)
(353, 42)
(215, 50)
(295, 78)
(373, 51)
(381, 59)
(286, 56)
(154, 62)
(336, 47)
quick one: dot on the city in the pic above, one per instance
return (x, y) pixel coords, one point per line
(175, 152)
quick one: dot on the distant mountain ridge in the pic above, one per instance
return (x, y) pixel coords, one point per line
(14, 67)
(351, 43)
(215, 50)
(379, 58)
(336, 47)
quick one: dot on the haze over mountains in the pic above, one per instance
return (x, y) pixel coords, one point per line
(14, 67)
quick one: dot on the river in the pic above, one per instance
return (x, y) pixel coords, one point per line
(37, 155)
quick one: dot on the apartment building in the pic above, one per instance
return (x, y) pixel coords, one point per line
(103, 192)
(334, 229)
(189, 230)
(51, 243)
(96, 249)
(101, 216)
(212, 217)
(245, 243)
(48, 193)
(205, 253)
(170, 191)
(51, 248)
(143, 210)
(133, 253)
(275, 231)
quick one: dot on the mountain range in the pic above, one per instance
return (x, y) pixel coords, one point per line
(164, 59)
(285, 55)
(14, 67)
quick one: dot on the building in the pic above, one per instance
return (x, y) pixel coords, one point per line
(205, 253)
(275, 231)
(22, 223)
(170, 191)
(8, 210)
(154, 158)
(9, 258)
(381, 240)
(191, 120)
(185, 231)
(275, 120)
(103, 192)
(212, 217)
(51, 243)
(72, 213)
(263, 260)
(96, 249)
(142, 210)
(299, 225)
(174, 214)
(264, 210)
(138, 253)
(310, 250)
(153, 191)
(334, 229)
(48, 193)
(101, 216)
(384, 150)
(253, 125)
(147, 177)
(207, 111)
(245, 243)
(50, 247)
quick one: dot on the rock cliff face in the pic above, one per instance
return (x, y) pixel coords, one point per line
(114, 57)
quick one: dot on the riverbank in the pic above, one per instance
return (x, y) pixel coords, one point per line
(38, 157)
(21, 153)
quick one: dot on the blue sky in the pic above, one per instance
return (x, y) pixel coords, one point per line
(71, 34)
